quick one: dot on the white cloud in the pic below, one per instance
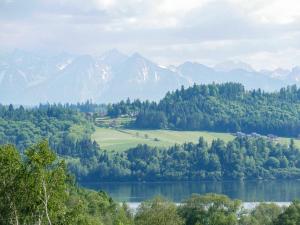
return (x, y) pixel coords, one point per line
(173, 31)
(280, 11)
(179, 6)
(271, 11)
(106, 4)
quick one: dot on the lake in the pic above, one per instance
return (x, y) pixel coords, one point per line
(247, 191)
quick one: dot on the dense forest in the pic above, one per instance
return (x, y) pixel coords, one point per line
(62, 125)
(36, 189)
(242, 158)
(68, 130)
(224, 107)
(218, 107)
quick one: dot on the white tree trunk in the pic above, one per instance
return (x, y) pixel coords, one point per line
(46, 202)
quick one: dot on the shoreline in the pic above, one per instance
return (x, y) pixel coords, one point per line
(245, 205)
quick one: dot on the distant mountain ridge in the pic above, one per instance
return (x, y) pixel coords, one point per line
(28, 78)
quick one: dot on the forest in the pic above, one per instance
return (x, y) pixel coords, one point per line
(243, 158)
(224, 107)
(37, 189)
(68, 130)
(65, 127)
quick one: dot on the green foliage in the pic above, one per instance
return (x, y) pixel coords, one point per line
(37, 190)
(291, 216)
(157, 212)
(241, 158)
(224, 107)
(210, 209)
(61, 125)
(67, 130)
(263, 214)
(152, 120)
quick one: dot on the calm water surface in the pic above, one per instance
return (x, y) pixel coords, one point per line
(248, 191)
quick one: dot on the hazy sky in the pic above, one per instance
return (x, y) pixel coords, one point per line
(263, 33)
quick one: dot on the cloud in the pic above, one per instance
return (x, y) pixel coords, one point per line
(168, 31)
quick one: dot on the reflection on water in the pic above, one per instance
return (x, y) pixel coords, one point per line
(249, 191)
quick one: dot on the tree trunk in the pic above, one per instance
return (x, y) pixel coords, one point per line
(39, 221)
(16, 215)
(46, 202)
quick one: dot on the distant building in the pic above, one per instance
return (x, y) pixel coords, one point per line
(253, 134)
(272, 137)
(240, 134)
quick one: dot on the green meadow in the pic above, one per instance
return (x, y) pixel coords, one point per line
(119, 139)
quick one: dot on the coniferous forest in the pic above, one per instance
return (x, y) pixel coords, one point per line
(68, 130)
(224, 107)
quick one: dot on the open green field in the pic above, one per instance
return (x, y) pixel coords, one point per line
(120, 139)
(288, 140)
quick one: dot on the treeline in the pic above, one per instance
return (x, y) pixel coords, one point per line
(224, 107)
(67, 130)
(69, 134)
(88, 107)
(36, 189)
(212, 209)
(242, 158)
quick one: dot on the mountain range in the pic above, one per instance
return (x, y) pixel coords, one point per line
(29, 78)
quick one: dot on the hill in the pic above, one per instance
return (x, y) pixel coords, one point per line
(227, 107)
(122, 139)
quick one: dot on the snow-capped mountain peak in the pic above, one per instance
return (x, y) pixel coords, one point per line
(27, 78)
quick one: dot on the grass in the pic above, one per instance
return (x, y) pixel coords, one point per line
(112, 135)
(121, 139)
(286, 141)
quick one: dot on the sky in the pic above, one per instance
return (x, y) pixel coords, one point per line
(262, 33)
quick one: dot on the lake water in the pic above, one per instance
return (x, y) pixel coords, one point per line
(247, 191)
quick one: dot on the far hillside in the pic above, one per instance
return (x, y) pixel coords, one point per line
(224, 107)
(120, 139)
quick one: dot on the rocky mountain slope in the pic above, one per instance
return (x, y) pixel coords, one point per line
(27, 78)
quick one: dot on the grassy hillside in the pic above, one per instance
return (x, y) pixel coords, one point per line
(113, 134)
(121, 139)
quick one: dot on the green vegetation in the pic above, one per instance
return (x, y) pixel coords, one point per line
(67, 130)
(61, 125)
(120, 122)
(166, 155)
(212, 209)
(121, 139)
(262, 214)
(241, 158)
(158, 212)
(220, 108)
(36, 189)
